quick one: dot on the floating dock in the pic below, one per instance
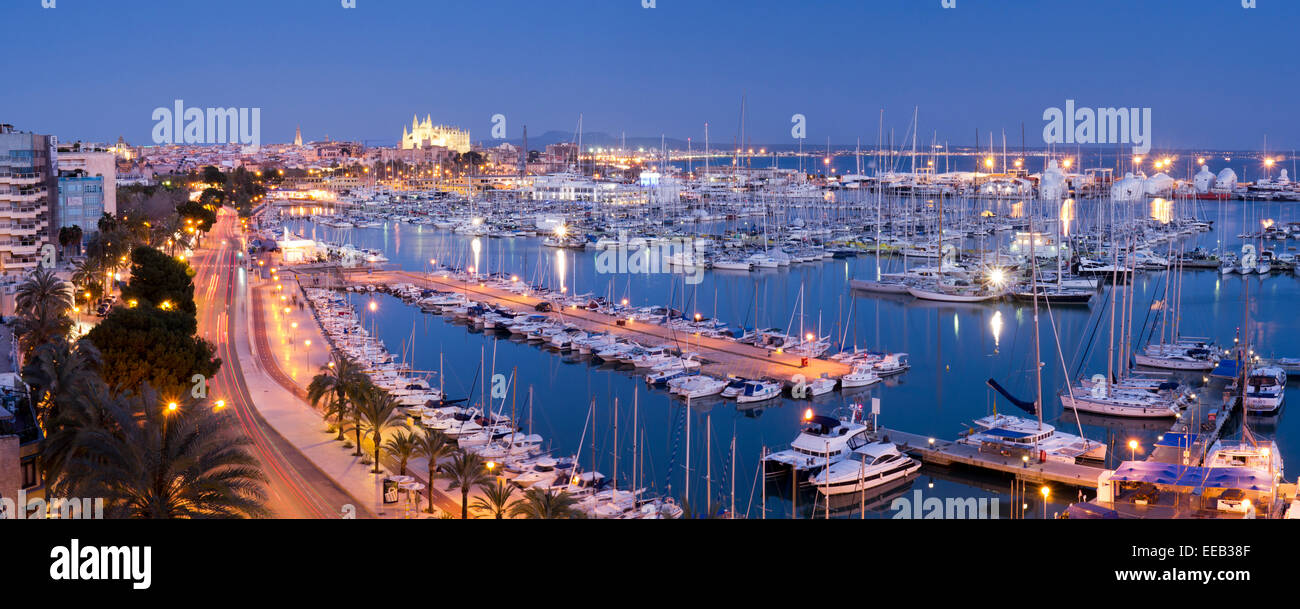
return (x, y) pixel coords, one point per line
(947, 452)
(719, 357)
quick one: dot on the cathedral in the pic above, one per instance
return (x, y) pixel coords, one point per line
(425, 134)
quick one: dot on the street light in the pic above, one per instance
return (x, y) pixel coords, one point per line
(1132, 447)
(1047, 492)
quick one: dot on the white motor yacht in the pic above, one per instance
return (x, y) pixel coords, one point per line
(870, 466)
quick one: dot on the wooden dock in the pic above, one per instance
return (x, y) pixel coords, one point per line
(719, 357)
(947, 452)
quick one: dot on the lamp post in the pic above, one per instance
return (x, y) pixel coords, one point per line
(1047, 492)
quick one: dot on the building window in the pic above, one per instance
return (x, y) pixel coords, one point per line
(30, 477)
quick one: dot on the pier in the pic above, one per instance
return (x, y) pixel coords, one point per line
(948, 452)
(719, 357)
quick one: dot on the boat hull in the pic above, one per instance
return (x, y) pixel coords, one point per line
(1172, 364)
(878, 287)
(1081, 404)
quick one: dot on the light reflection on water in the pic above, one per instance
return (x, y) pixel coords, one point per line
(943, 392)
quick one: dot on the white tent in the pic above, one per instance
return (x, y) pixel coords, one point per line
(1227, 180)
(1204, 180)
(1159, 185)
(1131, 188)
(1052, 185)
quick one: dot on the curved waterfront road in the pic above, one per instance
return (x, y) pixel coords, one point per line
(296, 488)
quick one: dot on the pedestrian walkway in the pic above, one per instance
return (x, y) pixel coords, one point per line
(280, 353)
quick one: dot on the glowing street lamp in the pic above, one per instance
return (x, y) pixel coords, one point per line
(1132, 448)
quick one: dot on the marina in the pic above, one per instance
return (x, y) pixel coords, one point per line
(516, 279)
(381, 273)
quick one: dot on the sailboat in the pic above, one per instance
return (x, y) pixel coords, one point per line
(1258, 456)
(951, 289)
(1179, 353)
(1032, 438)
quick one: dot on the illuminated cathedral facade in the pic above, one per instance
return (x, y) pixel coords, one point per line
(421, 135)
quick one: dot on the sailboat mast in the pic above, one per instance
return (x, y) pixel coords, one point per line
(1038, 358)
(614, 480)
(635, 446)
(686, 496)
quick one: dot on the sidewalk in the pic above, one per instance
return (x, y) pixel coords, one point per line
(278, 384)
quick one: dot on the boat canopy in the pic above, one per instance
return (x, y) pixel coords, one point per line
(1006, 433)
(1178, 439)
(825, 423)
(1172, 474)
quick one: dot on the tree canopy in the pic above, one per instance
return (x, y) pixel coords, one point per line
(158, 280)
(146, 344)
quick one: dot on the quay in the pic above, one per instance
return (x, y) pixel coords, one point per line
(718, 357)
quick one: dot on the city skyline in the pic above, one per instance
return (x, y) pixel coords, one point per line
(350, 74)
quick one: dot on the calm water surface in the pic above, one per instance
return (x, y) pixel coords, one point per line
(954, 349)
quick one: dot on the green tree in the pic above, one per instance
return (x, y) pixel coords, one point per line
(149, 345)
(89, 277)
(152, 461)
(42, 303)
(196, 216)
(378, 414)
(496, 499)
(107, 223)
(213, 197)
(160, 280)
(401, 446)
(338, 383)
(465, 471)
(546, 504)
(67, 393)
(434, 446)
(212, 175)
(70, 236)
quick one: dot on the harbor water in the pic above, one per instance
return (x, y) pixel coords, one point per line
(580, 406)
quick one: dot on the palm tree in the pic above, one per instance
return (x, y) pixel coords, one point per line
(149, 460)
(402, 447)
(59, 372)
(337, 382)
(496, 498)
(546, 504)
(69, 398)
(377, 413)
(42, 289)
(465, 471)
(434, 446)
(42, 303)
(89, 274)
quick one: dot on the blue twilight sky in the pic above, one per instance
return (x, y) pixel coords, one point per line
(1214, 74)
